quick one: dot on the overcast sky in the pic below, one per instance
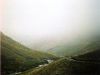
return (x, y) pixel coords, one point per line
(47, 23)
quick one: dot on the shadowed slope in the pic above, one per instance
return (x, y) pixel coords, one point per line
(16, 57)
(86, 63)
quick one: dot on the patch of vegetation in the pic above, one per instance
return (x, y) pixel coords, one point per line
(86, 63)
(67, 66)
(17, 58)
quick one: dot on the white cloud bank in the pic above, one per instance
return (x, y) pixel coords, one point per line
(42, 22)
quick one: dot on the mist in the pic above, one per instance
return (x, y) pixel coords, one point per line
(44, 24)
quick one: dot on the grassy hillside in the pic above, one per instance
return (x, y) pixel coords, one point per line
(67, 66)
(93, 56)
(69, 49)
(93, 46)
(87, 63)
(77, 47)
(17, 58)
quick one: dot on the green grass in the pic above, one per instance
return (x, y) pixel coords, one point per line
(17, 58)
(85, 63)
(67, 66)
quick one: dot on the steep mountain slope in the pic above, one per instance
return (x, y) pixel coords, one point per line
(16, 57)
(69, 49)
(77, 47)
(93, 56)
(93, 46)
(87, 63)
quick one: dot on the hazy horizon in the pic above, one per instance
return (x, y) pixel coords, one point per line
(44, 24)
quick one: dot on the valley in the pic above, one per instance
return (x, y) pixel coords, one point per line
(20, 60)
(17, 58)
